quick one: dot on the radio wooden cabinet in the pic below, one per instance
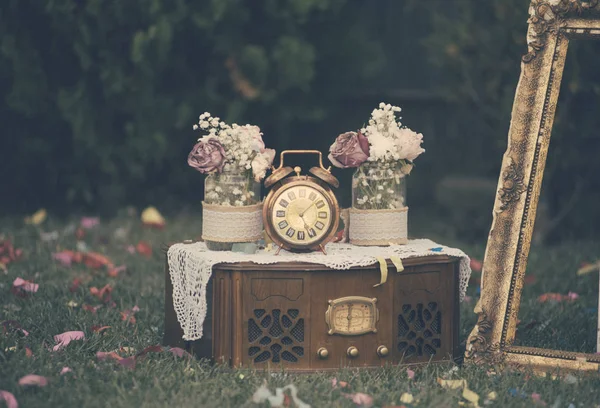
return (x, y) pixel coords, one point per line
(307, 317)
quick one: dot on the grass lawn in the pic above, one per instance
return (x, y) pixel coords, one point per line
(163, 379)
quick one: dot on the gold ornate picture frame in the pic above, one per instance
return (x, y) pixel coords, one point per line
(552, 24)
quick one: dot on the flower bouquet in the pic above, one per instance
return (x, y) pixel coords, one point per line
(235, 160)
(383, 153)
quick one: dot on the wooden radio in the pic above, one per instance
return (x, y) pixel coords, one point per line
(307, 317)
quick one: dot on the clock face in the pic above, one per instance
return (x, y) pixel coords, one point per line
(301, 215)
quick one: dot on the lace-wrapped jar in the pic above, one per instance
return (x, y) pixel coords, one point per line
(231, 210)
(379, 215)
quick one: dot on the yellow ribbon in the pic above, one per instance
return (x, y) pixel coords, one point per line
(383, 268)
(397, 263)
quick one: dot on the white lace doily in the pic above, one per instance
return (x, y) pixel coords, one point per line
(190, 267)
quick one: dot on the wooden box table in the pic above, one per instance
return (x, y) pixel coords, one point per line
(277, 315)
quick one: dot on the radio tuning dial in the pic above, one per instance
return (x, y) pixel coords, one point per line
(352, 351)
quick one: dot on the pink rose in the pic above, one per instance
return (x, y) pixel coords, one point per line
(350, 149)
(207, 156)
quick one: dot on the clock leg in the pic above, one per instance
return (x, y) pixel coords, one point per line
(322, 248)
(278, 249)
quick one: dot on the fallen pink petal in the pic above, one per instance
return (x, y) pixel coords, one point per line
(410, 373)
(11, 401)
(65, 338)
(179, 352)
(65, 370)
(25, 285)
(65, 258)
(89, 222)
(34, 379)
(361, 399)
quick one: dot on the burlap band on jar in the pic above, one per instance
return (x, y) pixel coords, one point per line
(378, 227)
(222, 223)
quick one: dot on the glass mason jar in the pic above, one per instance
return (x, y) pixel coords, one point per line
(232, 187)
(379, 186)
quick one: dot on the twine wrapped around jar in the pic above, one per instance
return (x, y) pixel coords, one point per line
(378, 227)
(231, 224)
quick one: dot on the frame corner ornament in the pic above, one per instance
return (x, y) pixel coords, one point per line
(479, 348)
(549, 16)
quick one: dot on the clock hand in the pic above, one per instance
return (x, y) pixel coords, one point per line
(306, 226)
(306, 209)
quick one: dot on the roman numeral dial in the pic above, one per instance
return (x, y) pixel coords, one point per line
(301, 215)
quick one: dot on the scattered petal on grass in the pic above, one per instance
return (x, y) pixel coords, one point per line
(22, 287)
(150, 349)
(470, 396)
(66, 257)
(65, 338)
(152, 218)
(37, 218)
(452, 384)
(90, 308)
(65, 370)
(99, 329)
(121, 233)
(130, 249)
(476, 265)
(11, 401)
(72, 304)
(81, 245)
(49, 236)
(144, 248)
(361, 399)
(341, 384)
(114, 272)
(557, 297)
(410, 373)
(127, 362)
(407, 398)
(89, 222)
(102, 294)
(28, 352)
(75, 285)
(13, 326)
(129, 314)
(537, 398)
(179, 352)
(588, 267)
(262, 394)
(33, 379)
(95, 260)
(8, 253)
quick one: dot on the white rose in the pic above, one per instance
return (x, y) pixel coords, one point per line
(261, 163)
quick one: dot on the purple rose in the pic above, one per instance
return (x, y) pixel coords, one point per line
(350, 149)
(207, 156)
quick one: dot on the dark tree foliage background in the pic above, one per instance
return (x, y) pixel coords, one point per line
(98, 97)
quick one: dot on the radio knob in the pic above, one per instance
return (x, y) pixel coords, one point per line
(352, 351)
(322, 353)
(382, 351)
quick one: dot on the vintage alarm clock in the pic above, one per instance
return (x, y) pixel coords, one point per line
(301, 213)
